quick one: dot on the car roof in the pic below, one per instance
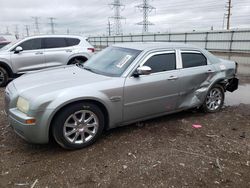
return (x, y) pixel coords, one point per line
(153, 45)
(66, 36)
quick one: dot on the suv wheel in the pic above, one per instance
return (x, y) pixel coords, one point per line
(78, 125)
(3, 77)
(214, 99)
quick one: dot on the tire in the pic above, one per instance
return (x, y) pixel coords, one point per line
(4, 77)
(77, 60)
(78, 125)
(214, 99)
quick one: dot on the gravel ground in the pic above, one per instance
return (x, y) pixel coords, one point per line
(163, 152)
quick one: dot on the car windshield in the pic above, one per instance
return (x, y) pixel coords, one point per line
(112, 61)
(10, 45)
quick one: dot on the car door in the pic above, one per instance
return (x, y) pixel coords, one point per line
(195, 76)
(57, 51)
(149, 95)
(31, 58)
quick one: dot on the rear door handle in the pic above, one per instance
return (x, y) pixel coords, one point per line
(39, 53)
(68, 50)
(173, 78)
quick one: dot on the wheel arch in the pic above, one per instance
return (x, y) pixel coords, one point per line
(84, 57)
(102, 107)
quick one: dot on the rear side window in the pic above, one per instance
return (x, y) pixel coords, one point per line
(162, 62)
(32, 44)
(55, 43)
(72, 41)
(193, 60)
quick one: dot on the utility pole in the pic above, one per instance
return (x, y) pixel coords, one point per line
(36, 23)
(16, 32)
(68, 31)
(52, 25)
(109, 28)
(117, 6)
(7, 30)
(27, 30)
(228, 15)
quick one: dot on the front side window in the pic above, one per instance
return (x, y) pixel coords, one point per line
(193, 59)
(55, 43)
(162, 62)
(112, 61)
(32, 44)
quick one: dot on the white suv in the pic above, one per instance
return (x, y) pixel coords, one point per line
(39, 52)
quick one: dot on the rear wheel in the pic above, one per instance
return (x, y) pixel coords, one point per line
(214, 99)
(3, 77)
(78, 125)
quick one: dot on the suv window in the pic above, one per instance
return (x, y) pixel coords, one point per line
(32, 44)
(193, 59)
(72, 41)
(54, 42)
(162, 62)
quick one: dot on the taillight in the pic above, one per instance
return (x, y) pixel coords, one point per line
(91, 50)
(236, 68)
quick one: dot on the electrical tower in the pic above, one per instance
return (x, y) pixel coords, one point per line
(118, 7)
(146, 8)
(228, 14)
(36, 22)
(52, 24)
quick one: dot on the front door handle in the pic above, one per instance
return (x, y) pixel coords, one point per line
(68, 50)
(173, 78)
(210, 71)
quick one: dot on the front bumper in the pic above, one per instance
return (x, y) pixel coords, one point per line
(37, 133)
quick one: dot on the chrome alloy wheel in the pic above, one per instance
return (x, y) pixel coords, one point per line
(214, 99)
(80, 127)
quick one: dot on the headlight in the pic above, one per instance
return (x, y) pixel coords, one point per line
(22, 105)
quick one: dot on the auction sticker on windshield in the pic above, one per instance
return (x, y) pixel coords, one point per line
(124, 61)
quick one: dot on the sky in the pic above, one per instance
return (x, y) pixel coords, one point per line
(90, 17)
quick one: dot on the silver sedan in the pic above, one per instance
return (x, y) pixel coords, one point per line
(123, 84)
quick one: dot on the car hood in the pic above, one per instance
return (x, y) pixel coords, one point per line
(61, 78)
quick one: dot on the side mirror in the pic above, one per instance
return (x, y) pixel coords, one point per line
(143, 70)
(18, 49)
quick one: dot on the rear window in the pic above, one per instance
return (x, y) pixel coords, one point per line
(55, 43)
(72, 41)
(193, 59)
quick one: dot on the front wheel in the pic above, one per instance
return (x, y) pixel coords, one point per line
(214, 99)
(3, 77)
(78, 125)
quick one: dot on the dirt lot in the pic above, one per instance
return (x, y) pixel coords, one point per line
(164, 152)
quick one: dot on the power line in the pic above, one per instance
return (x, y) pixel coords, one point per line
(117, 6)
(146, 9)
(52, 24)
